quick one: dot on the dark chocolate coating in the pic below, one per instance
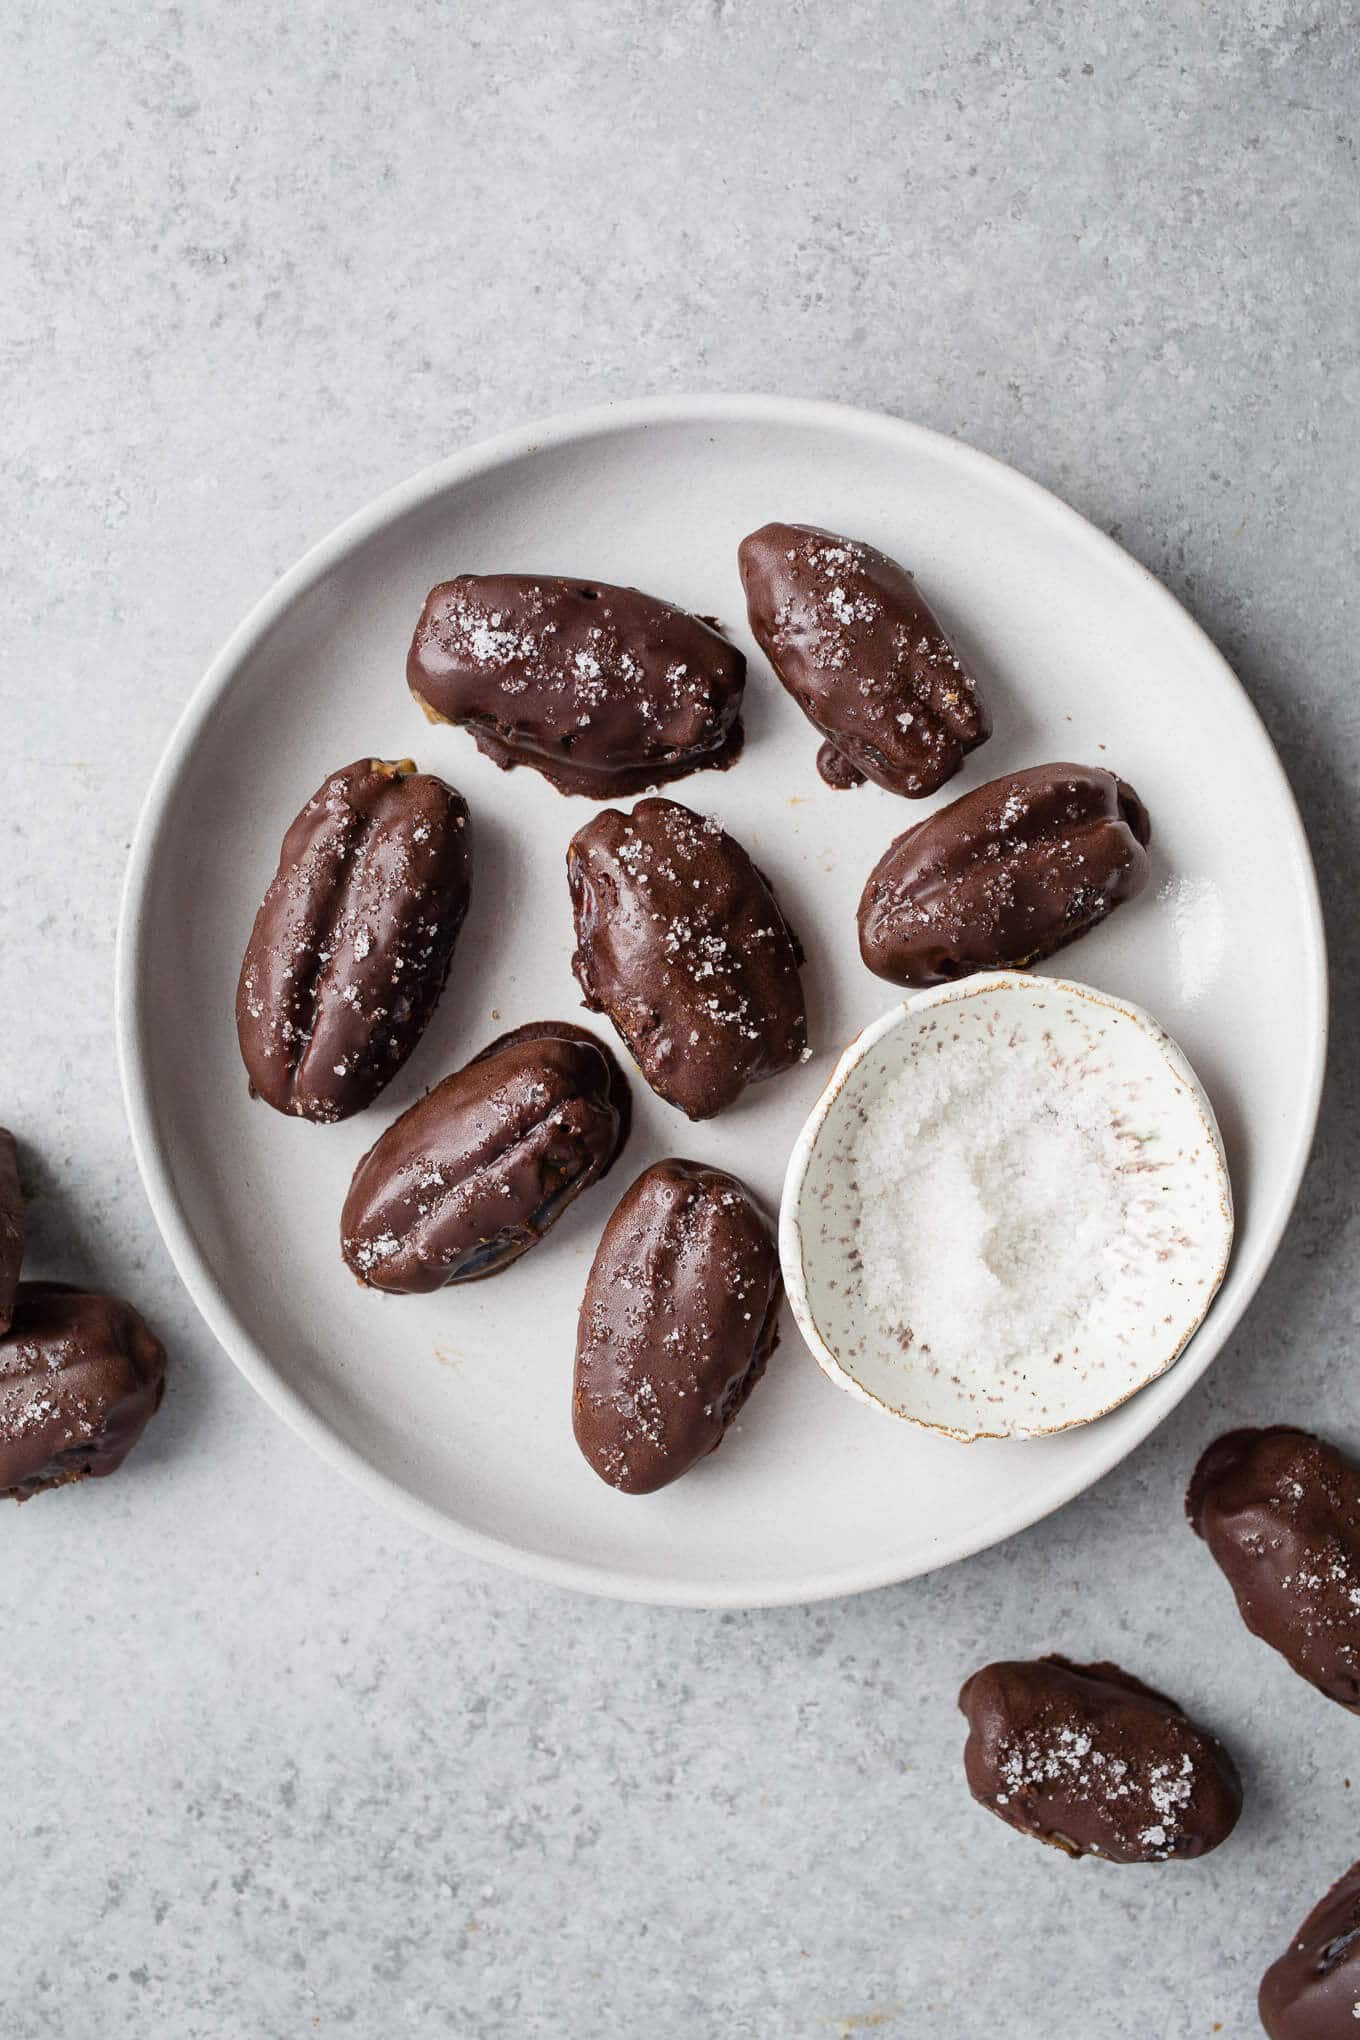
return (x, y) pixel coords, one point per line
(476, 1172)
(80, 1375)
(352, 944)
(680, 1315)
(856, 645)
(681, 942)
(836, 769)
(603, 690)
(11, 1226)
(1090, 1760)
(1280, 1511)
(1312, 1992)
(1004, 875)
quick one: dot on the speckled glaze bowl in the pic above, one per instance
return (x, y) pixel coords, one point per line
(1155, 1299)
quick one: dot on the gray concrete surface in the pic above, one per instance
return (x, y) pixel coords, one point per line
(274, 1765)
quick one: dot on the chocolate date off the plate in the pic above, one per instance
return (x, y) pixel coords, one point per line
(478, 1171)
(11, 1226)
(1004, 875)
(603, 690)
(681, 942)
(80, 1376)
(1093, 1762)
(1312, 1991)
(857, 646)
(1280, 1511)
(352, 944)
(680, 1315)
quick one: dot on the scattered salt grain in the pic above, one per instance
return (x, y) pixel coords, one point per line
(1194, 908)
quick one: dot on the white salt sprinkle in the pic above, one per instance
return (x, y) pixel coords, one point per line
(994, 1205)
(1199, 928)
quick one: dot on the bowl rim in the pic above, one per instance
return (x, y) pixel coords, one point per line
(979, 985)
(133, 939)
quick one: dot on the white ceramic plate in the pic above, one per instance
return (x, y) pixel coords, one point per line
(456, 1407)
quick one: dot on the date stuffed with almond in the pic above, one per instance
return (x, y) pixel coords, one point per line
(353, 941)
(1280, 1512)
(1093, 1762)
(1004, 875)
(680, 940)
(1312, 1991)
(603, 690)
(476, 1172)
(858, 647)
(680, 1315)
(81, 1376)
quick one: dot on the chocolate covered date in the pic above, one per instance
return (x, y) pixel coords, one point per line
(856, 645)
(1004, 875)
(1280, 1511)
(80, 1375)
(476, 1172)
(680, 1315)
(352, 943)
(603, 690)
(1313, 1991)
(681, 942)
(1092, 1761)
(11, 1226)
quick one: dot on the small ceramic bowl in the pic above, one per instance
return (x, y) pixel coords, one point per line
(1151, 1296)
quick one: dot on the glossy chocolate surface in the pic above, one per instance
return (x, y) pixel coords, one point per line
(603, 690)
(352, 944)
(1004, 875)
(857, 646)
(11, 1226)
(80, 1375)
(1280, 1511)
(1090, 1760)
(476, 1172)
(681, 942)
(1313, 1991)
(680, 1315)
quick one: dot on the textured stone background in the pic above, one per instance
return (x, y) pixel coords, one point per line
(275, 1765)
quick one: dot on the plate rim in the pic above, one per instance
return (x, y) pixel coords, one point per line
(212, 1303)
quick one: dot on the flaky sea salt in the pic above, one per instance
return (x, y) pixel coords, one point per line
(993, 1205)
(1194, 908)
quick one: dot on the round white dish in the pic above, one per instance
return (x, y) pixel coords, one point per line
(1156, 1298)
(456, 1407)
